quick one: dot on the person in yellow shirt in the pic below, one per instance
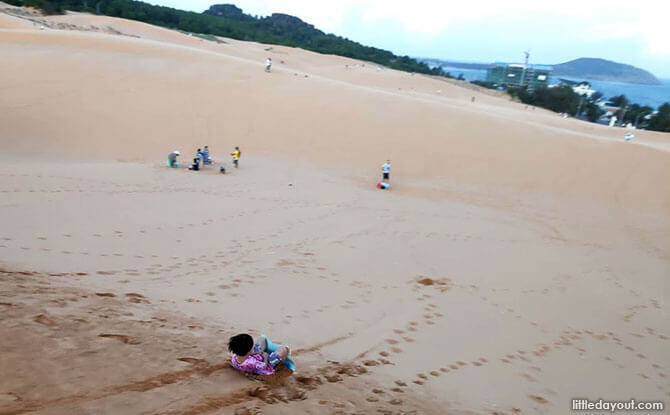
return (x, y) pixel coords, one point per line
(236, 156)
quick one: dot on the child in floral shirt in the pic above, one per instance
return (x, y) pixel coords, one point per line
(252, 357)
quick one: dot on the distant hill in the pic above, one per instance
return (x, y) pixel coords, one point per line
(604, 70)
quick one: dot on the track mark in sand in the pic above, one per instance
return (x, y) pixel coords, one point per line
(538, 399)
(106, 272)
(442, 284)
(120, 337)
(333, 378)
(105, 294)
(192, 360)
(137, 298)
(143, 385)
(323, 344)
(45, 320)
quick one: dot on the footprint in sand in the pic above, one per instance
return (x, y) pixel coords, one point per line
(120, 337)
(538, 399)
(44, 319)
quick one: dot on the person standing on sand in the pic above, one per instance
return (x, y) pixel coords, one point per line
(236, 157)
(172, 159)
(386, 171)
(205, 156)
(268, 64)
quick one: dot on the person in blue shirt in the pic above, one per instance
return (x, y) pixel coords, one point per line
(205, 156)
(386, 171)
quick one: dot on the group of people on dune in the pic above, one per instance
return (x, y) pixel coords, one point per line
(202, 158)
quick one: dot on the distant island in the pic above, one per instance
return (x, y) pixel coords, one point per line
(582, 68)
(604, 70)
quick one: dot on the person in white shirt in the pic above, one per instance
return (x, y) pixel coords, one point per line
(268, 65)
(386, 170)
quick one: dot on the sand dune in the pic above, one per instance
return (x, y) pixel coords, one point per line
(520, 259)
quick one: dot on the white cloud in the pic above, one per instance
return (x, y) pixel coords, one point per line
(422, 20)
(597, 19)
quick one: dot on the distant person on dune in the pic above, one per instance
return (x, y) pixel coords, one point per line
(199, 156)
(236, 157)
(172, 159)
(252, 356)
(386, 171)
(268, 65)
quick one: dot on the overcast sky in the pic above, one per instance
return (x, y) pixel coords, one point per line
(633, 32)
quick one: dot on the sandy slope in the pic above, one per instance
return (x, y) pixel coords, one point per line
(520, 260)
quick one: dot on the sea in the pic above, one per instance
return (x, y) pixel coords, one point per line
(652, 95)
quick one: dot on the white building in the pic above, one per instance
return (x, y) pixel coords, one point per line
(584, 89)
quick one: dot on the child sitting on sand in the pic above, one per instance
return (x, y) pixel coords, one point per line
(253, 357)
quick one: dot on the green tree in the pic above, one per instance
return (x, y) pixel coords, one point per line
(559, 99)
(619, 101)
(661, 121)
(593, 111)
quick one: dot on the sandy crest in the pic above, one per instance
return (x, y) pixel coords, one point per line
(520, 260)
